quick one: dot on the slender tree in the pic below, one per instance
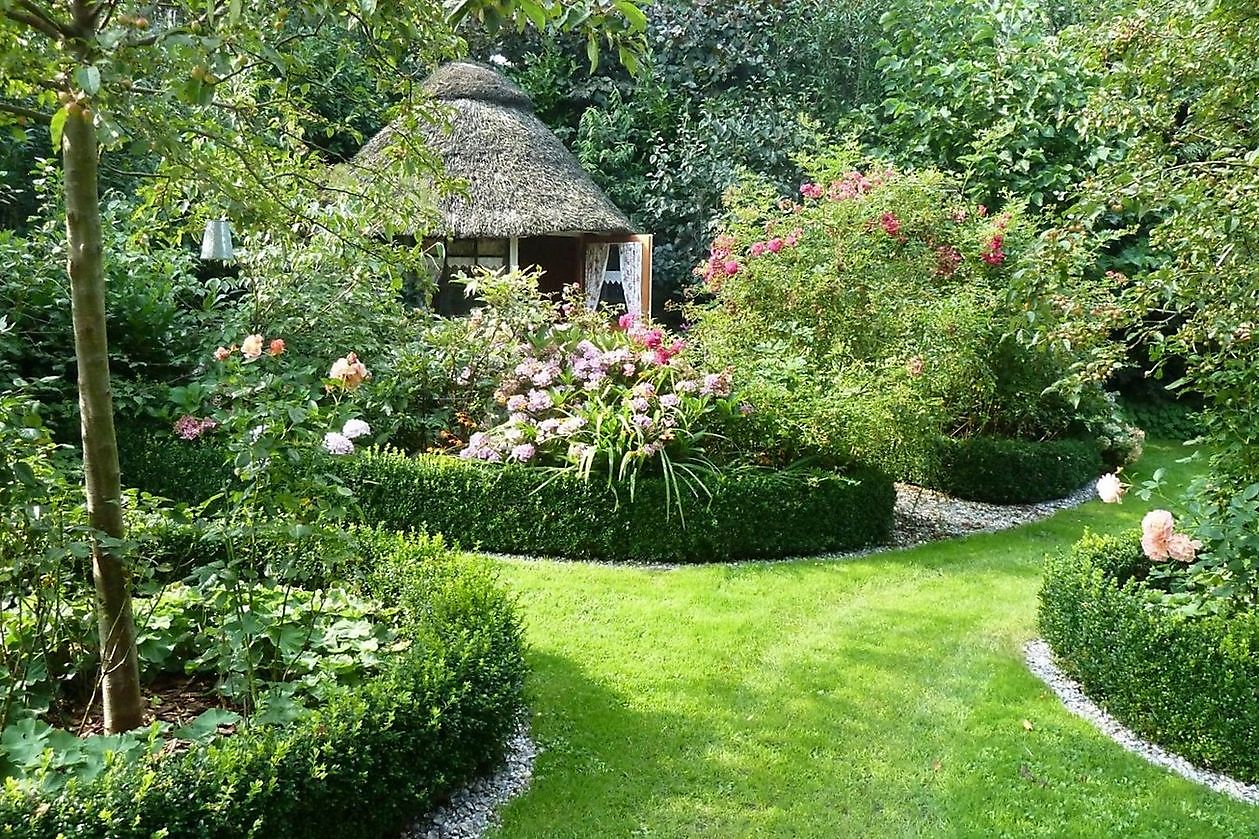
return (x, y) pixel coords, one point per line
(213, 90)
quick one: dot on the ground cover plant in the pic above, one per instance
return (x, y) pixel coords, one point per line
(883, 696)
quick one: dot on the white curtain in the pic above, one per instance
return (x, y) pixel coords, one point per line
(632, 276)
(596, 269)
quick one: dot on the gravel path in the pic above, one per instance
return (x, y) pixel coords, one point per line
(1040, 661)
(471, 810)
(922, 515)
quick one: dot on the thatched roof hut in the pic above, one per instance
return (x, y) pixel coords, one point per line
(528, 200)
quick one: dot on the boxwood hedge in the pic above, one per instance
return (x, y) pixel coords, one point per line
(514, 509)
(1007, 471)
(362, 765)
(1190, 684)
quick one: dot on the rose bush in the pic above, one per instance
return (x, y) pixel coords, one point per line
(871, 313)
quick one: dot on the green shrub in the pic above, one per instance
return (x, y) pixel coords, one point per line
(363, 764)
(1005, 471)
(1189, 683)
(516, 509)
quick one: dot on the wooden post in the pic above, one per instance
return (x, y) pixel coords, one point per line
(648, 242)
(513, 254)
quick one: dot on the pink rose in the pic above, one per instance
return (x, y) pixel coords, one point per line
(276, 348)
(1156, 532)
(775, 245)
(731, 267)
(222, 354)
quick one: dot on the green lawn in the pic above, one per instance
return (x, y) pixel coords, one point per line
(884, 696)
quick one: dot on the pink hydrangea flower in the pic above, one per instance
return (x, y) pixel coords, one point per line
(813, 191)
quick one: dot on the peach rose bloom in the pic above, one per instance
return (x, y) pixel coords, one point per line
(251, 347)
(1156, 533)
(349, 371)
(222, 354)
(1110, 489)
(1181, 548)
(277, 347)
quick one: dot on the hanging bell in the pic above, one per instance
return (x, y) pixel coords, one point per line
(216, 242)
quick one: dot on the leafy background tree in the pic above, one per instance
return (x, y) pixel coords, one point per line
(220, 96)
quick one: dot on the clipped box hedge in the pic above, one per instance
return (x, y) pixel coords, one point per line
(523, 510)
(364, 764)
(1189, 684)
(516, 509)
(1001, 470)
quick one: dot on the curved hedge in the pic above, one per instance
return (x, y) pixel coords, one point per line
(517, 509)
(1001, 470)
(514, 509)
(1190, 684)
(364, 764)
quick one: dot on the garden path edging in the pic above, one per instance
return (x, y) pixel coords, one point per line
(474, 807)
(1040, 660)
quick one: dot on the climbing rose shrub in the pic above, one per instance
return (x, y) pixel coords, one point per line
(869, 312)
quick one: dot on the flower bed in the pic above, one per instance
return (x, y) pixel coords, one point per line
(518, 509)
(363, 763)
(1190, 684)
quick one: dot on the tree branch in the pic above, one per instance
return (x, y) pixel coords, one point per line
(19, 110)
(40, 25)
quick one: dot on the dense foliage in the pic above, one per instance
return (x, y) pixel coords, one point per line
(1190, 684)
(869, 317)
(371, 758)
(1181, 82)
(743, 514)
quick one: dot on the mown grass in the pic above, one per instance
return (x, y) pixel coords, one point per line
(883, 696)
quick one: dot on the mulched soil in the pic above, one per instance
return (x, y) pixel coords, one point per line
(172, 698)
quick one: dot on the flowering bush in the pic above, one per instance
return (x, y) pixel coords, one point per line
(874, 307)
(619, 401)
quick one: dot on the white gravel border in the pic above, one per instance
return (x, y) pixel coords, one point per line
(474, 807)
(1040, 660)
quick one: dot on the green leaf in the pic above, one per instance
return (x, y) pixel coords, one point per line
(88, 79)
(56, 127)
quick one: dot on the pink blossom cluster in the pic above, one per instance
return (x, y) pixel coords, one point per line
(776, 244)
(1160, 541)
(813, 191)
(651, 341)
(189, 427)
(625, 387)
(994, 251)
(891, 224)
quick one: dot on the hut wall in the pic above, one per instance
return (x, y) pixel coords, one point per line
(559, 256)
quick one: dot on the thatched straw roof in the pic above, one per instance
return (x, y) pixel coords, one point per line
(522, 181)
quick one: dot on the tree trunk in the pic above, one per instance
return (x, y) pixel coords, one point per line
(120, 675)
